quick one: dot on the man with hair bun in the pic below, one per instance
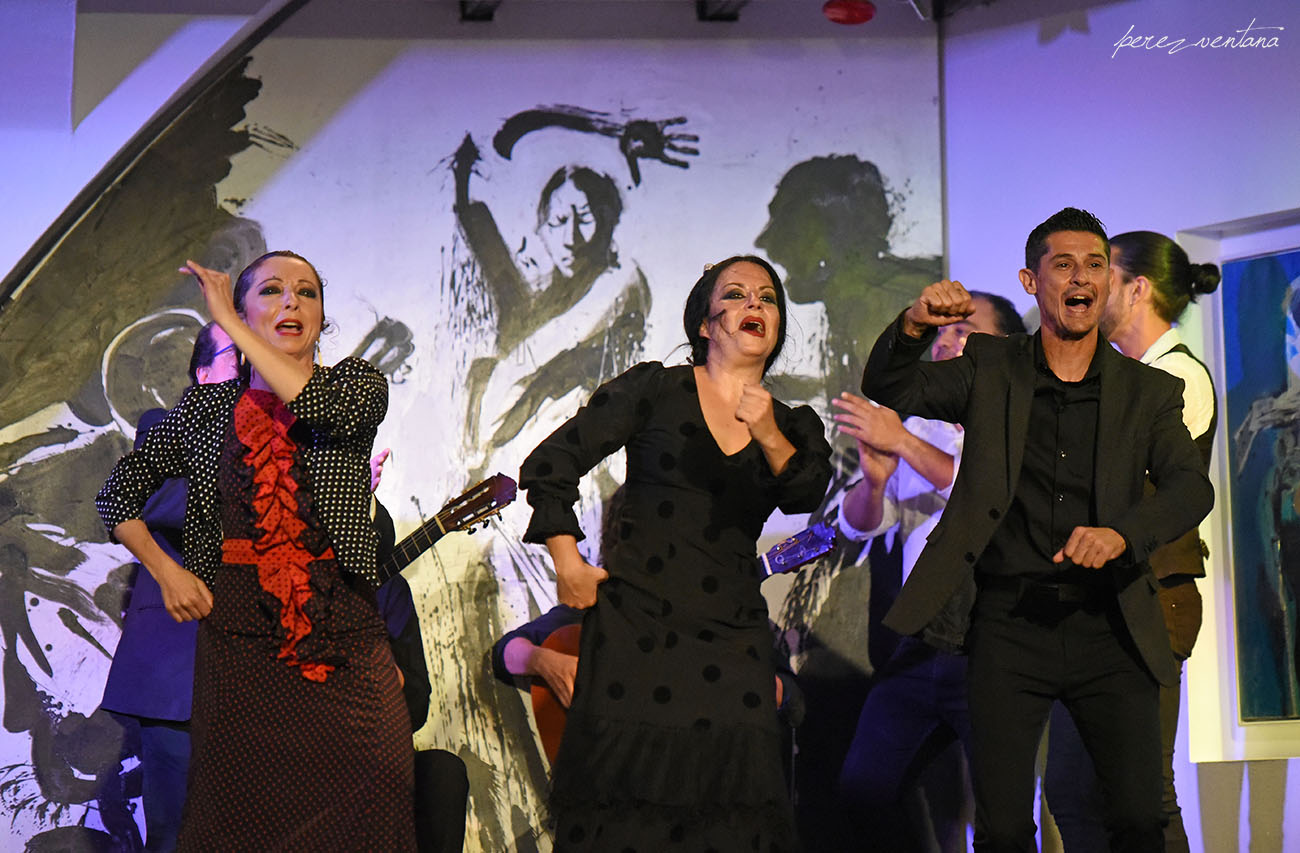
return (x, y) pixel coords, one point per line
(1152, 283)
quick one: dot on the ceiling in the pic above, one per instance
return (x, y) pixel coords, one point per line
(553, 19)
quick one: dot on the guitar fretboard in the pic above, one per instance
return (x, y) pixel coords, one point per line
(405, 552)
(475, 506)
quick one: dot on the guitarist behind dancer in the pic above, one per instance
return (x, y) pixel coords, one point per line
(524, 652)
(441, 779)
(521, 653)
(918, 698)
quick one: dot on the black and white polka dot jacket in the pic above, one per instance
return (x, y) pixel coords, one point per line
(343, 405)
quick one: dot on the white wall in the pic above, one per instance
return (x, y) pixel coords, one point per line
(1043, 108)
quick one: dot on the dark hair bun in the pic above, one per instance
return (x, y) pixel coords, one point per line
(1205, 278)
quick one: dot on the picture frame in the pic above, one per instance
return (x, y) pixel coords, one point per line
(1236, 701)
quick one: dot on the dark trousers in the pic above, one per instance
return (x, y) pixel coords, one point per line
(1026, 654)
(1074, 795)
(1070, 784)
(441, 795)
(164, 768)
(916, 706)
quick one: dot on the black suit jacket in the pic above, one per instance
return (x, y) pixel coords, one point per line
(988, 391)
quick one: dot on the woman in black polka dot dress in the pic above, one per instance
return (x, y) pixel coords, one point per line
(672, 741)
(301, 739)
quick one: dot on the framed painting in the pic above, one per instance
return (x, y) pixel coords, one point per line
(1241, 682)
(1261, 335)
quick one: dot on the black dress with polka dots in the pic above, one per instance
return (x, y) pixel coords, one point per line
(672, 741)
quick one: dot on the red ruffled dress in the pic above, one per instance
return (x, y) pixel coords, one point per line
(301, 740)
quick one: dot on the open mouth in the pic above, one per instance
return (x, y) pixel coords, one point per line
(289, 327)
(753, 326)
(1079, 302)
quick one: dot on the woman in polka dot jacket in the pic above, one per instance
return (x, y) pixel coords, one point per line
(300, 734)
(672, 739)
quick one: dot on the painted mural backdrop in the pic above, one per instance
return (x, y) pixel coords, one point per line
(501, 228)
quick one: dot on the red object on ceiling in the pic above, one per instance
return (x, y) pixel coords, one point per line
(849, 11)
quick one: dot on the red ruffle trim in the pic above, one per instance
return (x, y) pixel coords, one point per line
(262, 425)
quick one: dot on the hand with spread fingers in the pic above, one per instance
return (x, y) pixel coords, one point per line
(878, 431)
(644, 139)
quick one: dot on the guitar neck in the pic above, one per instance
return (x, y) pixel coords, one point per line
(476, 505)
(405, 552)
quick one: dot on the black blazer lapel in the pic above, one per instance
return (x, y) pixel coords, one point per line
(1020, 397)
(1114, 438)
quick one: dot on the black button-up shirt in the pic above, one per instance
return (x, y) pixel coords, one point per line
(1054, 493)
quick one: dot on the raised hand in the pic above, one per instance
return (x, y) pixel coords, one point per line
(878, 431)
(940, 304)
(755, 410)
(217, 292)
(878, 427)
(643, 139)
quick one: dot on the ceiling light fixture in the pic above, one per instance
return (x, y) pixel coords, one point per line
(849, 12)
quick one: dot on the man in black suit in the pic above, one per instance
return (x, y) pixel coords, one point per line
(1048, 512)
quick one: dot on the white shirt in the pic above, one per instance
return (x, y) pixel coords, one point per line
(911, 502)
(1198, 393)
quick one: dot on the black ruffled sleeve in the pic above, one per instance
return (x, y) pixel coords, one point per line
(803, 483)
(552, 471)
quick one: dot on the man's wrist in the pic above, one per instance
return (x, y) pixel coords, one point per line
(912, 329)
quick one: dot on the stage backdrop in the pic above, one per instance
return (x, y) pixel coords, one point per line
(501, 227)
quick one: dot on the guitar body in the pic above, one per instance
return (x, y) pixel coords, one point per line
(548, 713)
